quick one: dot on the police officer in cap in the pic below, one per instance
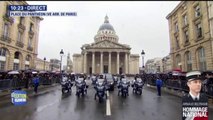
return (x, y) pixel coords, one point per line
(194, 82)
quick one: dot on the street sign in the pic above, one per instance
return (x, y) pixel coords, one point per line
(19, 97)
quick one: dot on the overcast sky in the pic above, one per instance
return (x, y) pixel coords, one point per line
(140, 24)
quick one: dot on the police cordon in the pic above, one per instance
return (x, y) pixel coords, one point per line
(39, 14)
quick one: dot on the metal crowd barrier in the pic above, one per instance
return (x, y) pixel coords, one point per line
(9, 84)
(180, 85)
(5, 84)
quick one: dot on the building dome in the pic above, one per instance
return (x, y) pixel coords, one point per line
(106, 25)
(106, 32)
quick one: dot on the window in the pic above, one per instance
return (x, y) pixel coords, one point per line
(16, 55)
(3, 52)
(178, 61)
(31, 26)
(19, 36)
(186, 36)
(188, 61)
(22, 20)
(201, 59)
(185, 20)
(2, 65)
(176, 27)
(6, 30)
(16, 66)
(177, 43)
(197, 11)
(27, 58)
(30, 42)
(199, 30)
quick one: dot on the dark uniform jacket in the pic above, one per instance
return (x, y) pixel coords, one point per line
(202, 99)
(188, 98)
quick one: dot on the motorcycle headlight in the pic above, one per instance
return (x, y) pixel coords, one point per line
(100, 87)
(100, 83)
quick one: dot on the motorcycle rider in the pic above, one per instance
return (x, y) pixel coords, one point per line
(72, 77)
(82, 76)
(136, 77)
(120, 83)
(66, 82)
(83, 82)
(101, 77)
(95, 87)
(135, 82)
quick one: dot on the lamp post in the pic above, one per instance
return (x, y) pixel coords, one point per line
(61, 54)
(44, 62)
(142, 55)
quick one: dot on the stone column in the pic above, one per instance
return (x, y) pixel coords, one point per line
(126, 65)
(101, 63)
(85, 62)
(109, 62)
(93, 62)
(7, 62)
(118, 64)
(129, 63)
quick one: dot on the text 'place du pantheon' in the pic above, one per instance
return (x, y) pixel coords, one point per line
(106, 54)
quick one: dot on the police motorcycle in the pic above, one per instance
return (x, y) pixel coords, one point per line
(137, 86)
(94, 79)
(72, 76)
(116, 79)
(66, 85)
(100, 87)
(81, 87)
(123, 87)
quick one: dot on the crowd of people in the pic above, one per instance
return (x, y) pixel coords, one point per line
(24, 79)
(17, 80)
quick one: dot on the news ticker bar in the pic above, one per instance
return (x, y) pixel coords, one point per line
(27, 7)
(39, 14)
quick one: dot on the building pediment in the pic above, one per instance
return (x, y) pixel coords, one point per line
(107, 44)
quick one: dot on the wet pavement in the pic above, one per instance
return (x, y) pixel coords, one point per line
(52, 105)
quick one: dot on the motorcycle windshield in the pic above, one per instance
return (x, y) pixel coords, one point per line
(125, 85)
(100, 88)
(139, 80)
(100, 80)
(80, 80)
(140, 84)
(124, 80)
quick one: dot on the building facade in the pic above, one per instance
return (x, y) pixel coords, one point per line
(210, 11)
(166, 64)
(55, 65)
(106, 54)
(154, 65)
(190, 36)
(18, 39)
(42, 65)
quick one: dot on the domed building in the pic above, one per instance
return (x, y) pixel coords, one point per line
(106, 54)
